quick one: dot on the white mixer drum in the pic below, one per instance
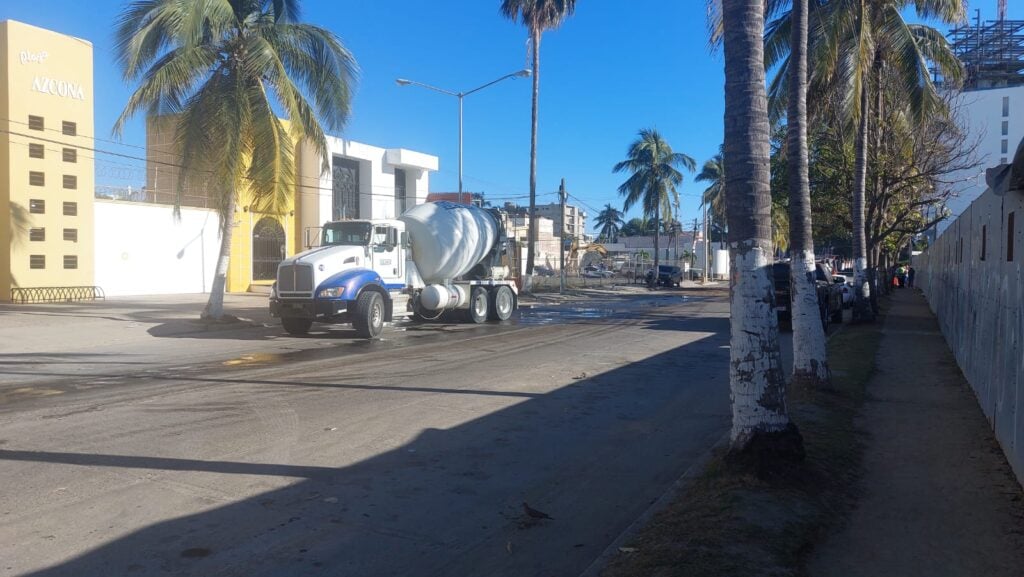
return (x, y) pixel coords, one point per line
(448, 239)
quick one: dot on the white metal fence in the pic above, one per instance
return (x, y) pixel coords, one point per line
(972, 278)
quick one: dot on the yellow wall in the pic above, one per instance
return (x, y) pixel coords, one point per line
(49, 75)
(162, 186)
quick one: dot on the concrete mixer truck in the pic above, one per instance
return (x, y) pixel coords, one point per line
(438, 258)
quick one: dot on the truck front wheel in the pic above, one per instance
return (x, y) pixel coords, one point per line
(369, 315)
(296, 325)
(478, 305)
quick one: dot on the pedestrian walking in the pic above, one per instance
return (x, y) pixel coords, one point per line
(901, 276)
(910, 277)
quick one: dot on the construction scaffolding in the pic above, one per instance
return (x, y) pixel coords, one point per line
(992, 53)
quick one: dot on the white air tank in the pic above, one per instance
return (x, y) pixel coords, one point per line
(448, 239)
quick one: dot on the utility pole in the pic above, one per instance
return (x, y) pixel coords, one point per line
(707, 241)
(561, 239)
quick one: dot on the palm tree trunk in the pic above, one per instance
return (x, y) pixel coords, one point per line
(657, 249)
(860, 168)
(532, 231)
(215, 304)
(760, 421)
(810, 360)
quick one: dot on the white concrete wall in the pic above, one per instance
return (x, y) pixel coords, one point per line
(141, 248)
(980, 307)
(981, 115)
(376, 179)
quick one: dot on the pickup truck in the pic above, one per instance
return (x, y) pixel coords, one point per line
(830, 295)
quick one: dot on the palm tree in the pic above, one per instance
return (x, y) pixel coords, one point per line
(855, 42)
(537, 16)
(810, 357)
(634, 227)
(654, 178)
(758, 387)
(610, 222)
(215, 65)
(713, 173)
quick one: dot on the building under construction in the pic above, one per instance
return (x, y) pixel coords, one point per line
(992, 52)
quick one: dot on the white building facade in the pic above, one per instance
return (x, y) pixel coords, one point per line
(995, 118)
(575, 219)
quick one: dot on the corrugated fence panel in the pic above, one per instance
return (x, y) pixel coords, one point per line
(973, 283)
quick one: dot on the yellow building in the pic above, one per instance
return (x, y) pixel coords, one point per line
(46, 169)
(259, 240)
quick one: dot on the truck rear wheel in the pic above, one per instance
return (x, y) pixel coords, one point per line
(296, 325)
(502, 304)
(478, 305)
(369, 315)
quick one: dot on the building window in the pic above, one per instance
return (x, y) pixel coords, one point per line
(1002, 160)
(1006, 127)
(1009, 238)
(1006, 106)
(37, 261)
(1003, 146)
(70, 155)
(37, 234)
(36, 151)
(36, 178)
(400, 193)
(71, 234)
(984, 241)
(37, 206)
(35, 122)
(70, 181)
(70, 261)
(70, 209)
(69, 128)
(344, 188)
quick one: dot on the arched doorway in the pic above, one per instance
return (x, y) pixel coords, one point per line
(268, 248)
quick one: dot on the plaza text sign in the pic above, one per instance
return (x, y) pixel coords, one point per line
(61, 88)
(27, 57)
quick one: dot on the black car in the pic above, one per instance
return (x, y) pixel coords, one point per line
(830, 295)
(669, 275)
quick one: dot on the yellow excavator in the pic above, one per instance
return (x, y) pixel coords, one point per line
(577, 254)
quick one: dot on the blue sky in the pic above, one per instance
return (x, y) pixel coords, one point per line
(611, 69)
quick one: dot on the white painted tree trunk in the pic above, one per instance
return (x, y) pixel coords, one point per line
(215, 305)
(755, 370)
(860, 276)
(810, 366)
(757, 385)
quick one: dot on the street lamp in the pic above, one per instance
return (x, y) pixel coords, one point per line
(460, 95)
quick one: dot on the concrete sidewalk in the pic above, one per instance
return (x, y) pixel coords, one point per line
(938, 496)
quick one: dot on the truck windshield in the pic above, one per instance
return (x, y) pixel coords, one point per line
(350, 233)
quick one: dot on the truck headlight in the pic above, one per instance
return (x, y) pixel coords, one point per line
(330, 293)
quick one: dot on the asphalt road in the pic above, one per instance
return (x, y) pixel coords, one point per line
(248, 452)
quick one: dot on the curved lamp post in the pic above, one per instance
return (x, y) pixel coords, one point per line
(460, 95)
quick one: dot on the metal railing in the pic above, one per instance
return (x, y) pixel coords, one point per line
(56, 294)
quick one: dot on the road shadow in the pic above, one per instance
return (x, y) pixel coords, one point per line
(593, 454)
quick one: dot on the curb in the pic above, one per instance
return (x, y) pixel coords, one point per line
(666, 498)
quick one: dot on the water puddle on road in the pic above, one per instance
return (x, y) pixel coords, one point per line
(255, 359)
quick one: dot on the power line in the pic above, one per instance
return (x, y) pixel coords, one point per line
(179, 155)
(298, 185)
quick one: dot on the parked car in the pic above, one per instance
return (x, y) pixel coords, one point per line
(830, 295)
(846, 284)
(669, 275)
